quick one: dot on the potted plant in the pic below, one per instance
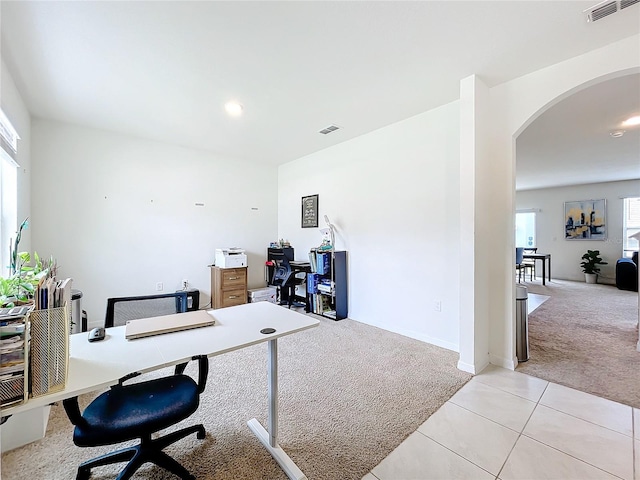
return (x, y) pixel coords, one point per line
(589, 264)
(18, 288)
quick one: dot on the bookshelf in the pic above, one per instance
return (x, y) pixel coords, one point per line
(327, 284)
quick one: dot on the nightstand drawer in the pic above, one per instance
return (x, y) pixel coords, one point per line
(234, 297)
(232, 277)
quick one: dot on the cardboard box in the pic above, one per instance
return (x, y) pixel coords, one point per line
(266, 294)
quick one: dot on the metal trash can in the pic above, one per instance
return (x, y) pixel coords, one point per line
(76, 311)
(522, 324)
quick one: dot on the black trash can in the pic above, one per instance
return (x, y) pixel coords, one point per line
(522, 324)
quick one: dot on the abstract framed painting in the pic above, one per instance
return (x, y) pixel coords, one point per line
(585, 220)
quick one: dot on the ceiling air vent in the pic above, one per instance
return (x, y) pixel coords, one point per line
(329, 129)
(606, 8)
(627, 3)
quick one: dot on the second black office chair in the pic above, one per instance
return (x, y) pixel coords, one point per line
(284, 278)
(122, 309)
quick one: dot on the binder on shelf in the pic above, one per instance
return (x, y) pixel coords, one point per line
(322, 264)
(312, 283)
(313, 261)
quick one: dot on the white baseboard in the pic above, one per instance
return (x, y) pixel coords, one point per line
(417, 336)
(509, 364)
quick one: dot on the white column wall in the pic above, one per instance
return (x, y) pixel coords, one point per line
(393, 195)
(119, 213)
(474, 212)
(515, 104)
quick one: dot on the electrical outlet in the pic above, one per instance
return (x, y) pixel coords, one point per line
(159, 287)
(185, 284)
(437, 306)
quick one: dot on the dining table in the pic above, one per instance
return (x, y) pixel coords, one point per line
(545, 258)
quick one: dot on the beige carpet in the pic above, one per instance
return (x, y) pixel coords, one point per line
(585, 337)
(349, 394)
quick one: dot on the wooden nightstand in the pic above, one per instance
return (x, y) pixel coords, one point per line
(228, 286)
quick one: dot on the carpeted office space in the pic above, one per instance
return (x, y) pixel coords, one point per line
(433, 141)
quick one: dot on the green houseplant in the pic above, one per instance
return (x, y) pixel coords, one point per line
(590, 265)
(18, 288)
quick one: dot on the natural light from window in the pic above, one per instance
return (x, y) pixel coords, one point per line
(526, 229)
(8, 190)
(631, 225)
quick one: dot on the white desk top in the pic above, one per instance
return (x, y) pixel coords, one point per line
(98, 365)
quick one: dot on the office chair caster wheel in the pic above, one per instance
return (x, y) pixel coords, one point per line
(83, 474)
(201, 433)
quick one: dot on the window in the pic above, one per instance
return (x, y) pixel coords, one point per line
(630, 225)
(526, 229)
(8, 190)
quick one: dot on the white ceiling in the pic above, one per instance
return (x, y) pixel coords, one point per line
(163, 70)
(570, 143)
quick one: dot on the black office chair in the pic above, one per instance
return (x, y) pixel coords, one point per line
(284, 278)
(122, 309)
(138, 410)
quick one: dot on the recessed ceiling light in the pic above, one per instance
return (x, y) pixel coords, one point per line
(630, 122)
(617, 133)
(233, 108)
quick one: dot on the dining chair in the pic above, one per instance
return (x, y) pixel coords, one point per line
(530, 262)
(520, 266)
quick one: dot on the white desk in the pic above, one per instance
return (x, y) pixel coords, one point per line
(98, 365)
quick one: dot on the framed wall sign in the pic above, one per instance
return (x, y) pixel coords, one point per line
(310, 211)
(585, 220)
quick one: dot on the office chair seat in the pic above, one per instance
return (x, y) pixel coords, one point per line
(138, 410)
(127, 412)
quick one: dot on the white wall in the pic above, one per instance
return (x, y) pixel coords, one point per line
(566, 254)
(367, 187)
(515, 104)
(393, 197)
(119, 213)
(16, 110)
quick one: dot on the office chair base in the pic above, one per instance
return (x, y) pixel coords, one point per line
(147, 451)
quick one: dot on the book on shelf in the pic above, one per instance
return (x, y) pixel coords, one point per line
(313, 261)
(322, 263)
(312, 283)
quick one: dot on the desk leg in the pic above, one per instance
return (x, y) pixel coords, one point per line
(270, 439)
(549, 268)
(544, 274)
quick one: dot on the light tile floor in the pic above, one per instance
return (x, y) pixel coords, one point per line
(507, 425)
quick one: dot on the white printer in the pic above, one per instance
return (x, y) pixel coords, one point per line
(230, 257)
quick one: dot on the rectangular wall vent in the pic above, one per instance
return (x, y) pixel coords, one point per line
(606, 8)
(627, 3)
(329, 129)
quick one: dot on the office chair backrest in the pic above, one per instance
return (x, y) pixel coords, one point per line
(122, 309)
(519, 255)
(281, 269)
